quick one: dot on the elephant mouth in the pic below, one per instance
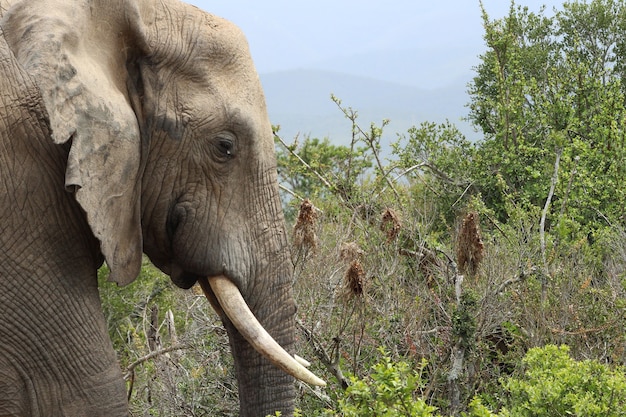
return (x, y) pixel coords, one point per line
(184, 279)
(227, 301)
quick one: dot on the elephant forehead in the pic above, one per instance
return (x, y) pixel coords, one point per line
(222, 37)
(201, 40)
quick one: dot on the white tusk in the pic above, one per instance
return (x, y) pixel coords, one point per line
(302, 361)
(235, 307)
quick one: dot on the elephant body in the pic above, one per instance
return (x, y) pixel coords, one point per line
(128, 127)
(51, 363)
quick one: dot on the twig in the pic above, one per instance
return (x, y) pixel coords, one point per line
(569, 186)
(463, 193)
(436, 329)
(522, 276)
(493, 222)
(400, 175)
(307, 166)
(291, 192)
(409, 169)
(544, 214)
(441, 175)
(323, 356)
(585, 331)
(131, 368)
(599, 213)
(369, 140)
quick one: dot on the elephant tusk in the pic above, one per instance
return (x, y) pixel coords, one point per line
(236, 309)
(302, 361)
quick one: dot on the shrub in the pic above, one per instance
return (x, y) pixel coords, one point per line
(390, 390)
(554, 384)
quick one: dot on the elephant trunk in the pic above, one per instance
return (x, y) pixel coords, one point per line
(264, 384)
(263, 387)
(230, 303)
(260, 349)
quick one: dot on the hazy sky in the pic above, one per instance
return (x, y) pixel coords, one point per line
(288, 34)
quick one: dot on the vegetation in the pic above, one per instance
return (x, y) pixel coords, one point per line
(468, 263)
(553, 384)
(388, 391)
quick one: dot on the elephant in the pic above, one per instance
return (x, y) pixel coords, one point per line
(132, 127)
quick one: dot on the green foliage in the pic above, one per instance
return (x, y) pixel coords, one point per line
(531, 290)
(436, 159)
(125, 308)
(174, 361)
(463, 321)
(554, 384)
(548, 85)
(340, 166)
(390, 390)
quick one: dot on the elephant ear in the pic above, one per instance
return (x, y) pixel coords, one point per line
(81, 75)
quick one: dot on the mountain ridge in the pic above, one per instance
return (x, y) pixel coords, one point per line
(299, 101)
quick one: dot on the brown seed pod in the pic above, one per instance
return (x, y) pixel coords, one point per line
(390, 224)
(470, 247)
(354, 280)
(304, 236)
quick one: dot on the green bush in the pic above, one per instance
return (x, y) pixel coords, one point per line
(390, 390)
(554, 384)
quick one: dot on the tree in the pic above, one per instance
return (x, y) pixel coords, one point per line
(317, 168)
(436, 161)
(554, 384)
(548, 86)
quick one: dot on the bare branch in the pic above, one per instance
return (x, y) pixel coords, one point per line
(131, 368)
(463, 193)
(307, 166)
(400, 175)
(291, 192)
(323, 356)
(544, 213)
(369, 140)
(434, 330)
(521, 277)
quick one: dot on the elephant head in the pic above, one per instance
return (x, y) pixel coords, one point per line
(140, 127)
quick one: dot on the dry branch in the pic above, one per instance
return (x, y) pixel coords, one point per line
(332, 365)
(307, 166)
(131, 368)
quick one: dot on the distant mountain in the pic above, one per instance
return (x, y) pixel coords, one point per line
(424, 67)
(299, 101)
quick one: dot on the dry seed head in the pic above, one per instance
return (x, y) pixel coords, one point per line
(390, 224)
(350, 251)
(354, 280)
(304, 236)
(470, 247)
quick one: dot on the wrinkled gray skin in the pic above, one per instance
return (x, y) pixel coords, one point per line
(129, 127)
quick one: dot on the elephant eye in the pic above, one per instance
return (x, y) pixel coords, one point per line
(225, 147)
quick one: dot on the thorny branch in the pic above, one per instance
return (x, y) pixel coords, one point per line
(323, 356)
(369, 140)
(307, 166)
(130, 370)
